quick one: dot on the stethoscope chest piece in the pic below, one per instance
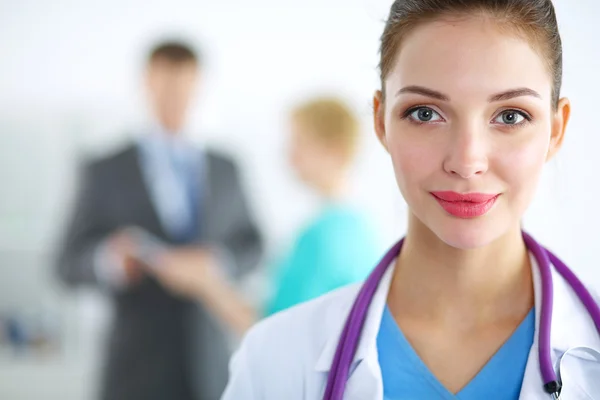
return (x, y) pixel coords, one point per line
(575, 368)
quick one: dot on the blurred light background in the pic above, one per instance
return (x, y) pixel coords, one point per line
(70, 86)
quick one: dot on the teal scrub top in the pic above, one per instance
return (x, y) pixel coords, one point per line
(338, 248)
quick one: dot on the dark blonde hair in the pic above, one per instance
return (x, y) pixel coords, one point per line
(175, 52)
(331, 122)
(535, 20)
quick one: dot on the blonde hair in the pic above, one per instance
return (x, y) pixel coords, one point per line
(331, 122)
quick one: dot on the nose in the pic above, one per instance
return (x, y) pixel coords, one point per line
(467, 155)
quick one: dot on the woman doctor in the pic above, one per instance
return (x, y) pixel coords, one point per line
(469, 111)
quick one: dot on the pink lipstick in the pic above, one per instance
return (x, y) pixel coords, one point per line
(466, 205)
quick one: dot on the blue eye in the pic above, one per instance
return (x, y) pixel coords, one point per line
(511, 117)
(424, 114)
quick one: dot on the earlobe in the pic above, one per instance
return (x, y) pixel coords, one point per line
(379, 118)
(559, 127)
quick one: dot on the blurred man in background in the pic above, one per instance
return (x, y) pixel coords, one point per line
(337, 247)
(161, 191)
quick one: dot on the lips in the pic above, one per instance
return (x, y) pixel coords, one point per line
(465, 205)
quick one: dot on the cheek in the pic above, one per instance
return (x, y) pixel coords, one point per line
(415, 158)
(303, 159)
(296, 157)
(520, 166)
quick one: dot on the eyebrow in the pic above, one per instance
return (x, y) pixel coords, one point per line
(423, 91)
(507, 95)
(511, 94)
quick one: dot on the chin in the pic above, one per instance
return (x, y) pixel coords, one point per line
(468, 234)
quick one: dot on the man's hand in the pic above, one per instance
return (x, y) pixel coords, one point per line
(188, 271)
(194, 273)
(122, 247)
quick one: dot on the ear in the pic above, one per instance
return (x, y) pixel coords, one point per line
(379, 118)
(559, 126)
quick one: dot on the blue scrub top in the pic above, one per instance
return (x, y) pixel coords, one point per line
(406, 377)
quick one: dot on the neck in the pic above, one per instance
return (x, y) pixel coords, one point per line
(332, 188)
(473, 287)
(169, 128)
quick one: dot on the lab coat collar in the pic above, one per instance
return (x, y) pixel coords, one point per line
(368, 337)
(571, 327)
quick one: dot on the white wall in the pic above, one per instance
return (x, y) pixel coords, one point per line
(69, 80)
(69, 77)
(80, 60)
(565, 215)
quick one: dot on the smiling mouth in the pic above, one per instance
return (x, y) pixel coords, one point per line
(465, 205)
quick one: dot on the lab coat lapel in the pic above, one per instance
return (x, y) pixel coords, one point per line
(571, 327)
(533, 385)
(365, 381)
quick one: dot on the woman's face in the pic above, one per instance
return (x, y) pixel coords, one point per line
(468, 110)
(310, 159)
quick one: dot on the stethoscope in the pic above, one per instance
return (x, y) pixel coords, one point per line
(348, 342)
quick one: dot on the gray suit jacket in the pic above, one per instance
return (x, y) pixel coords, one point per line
(161, 347)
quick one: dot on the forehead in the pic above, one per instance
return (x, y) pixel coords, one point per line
(164, 65)
(468, 56)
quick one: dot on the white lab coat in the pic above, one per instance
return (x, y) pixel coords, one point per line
(289, 355)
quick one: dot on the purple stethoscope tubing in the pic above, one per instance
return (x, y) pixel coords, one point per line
(350, 336)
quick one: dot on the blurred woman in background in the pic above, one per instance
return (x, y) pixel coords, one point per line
(338, 246)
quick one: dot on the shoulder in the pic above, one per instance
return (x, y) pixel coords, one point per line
(307, 323)
(344, 218)
(343, 230)
(220, 161)
(115, 160)
(289, 342)
(595, 295)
